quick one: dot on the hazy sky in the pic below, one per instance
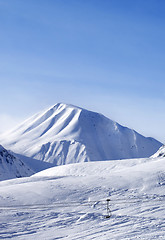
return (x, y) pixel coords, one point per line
(103, 55)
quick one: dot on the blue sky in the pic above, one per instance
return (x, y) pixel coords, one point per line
(107, 56)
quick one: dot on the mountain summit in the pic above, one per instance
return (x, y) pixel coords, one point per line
(67, 134)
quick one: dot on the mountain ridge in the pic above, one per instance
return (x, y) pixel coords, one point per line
(11, 166)
(160, 152)
(65, 133)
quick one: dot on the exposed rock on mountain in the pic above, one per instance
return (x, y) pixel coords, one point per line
(12, 167)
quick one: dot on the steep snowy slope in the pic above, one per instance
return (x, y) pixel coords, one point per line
(12, 167)
(69, 202)
(67, 134)
(160, 152)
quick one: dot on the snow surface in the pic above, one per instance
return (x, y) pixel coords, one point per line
(69, 202)
(160, 152)
(67, 134)
(11, 166)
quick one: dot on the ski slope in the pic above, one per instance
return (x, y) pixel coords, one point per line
(69, 202)
(66, 134)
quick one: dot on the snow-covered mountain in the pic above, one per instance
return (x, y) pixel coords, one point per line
(67, 134)
(160, 152)
(11, 166)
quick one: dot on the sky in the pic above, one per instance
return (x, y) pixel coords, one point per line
(106, 56)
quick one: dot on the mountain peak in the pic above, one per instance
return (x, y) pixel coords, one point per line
(64, 106)
(65, 133)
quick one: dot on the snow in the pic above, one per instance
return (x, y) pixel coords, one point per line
(11, 166)
(69, 202)
(66, 134)
(160, 152)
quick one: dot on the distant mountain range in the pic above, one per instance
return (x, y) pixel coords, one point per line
(66, 134)
(11, 166)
